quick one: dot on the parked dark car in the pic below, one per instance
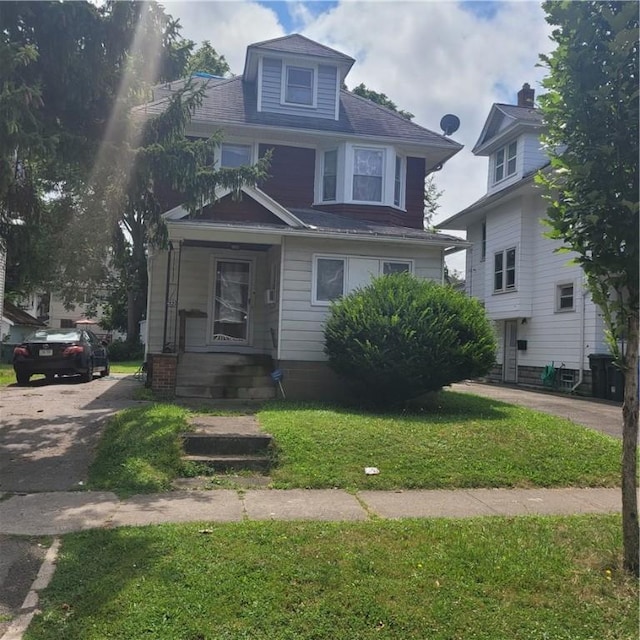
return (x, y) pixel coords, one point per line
(61, 352)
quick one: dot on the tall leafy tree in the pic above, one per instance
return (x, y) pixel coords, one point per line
(591, 111)
(380, 98)
(207, 60)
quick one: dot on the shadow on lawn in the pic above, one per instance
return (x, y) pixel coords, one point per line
(443, 404)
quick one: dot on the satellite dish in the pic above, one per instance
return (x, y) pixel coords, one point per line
(449, 124)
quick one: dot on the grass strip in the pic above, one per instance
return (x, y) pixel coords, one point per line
(459, 440)
(527, 578)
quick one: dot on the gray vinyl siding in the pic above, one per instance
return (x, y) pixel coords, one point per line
(302, 331)
(272, 74)
(533, 155)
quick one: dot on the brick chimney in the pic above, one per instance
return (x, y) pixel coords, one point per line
(526, 96)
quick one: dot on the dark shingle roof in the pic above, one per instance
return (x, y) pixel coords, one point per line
(20, 317)
(297, 44)
(233, 102)
(324, 221)
(524, 114)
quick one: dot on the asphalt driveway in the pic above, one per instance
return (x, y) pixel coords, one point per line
(600, 415)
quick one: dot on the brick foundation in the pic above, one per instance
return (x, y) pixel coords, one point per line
(532, 377)
(163, 368)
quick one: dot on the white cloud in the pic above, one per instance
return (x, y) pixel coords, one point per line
(430, 58)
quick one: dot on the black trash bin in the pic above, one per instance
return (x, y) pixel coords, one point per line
(599, 363)
(615, 383)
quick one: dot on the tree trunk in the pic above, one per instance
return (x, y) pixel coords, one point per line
(630, 531)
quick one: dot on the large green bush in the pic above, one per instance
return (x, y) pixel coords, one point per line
(401, 337)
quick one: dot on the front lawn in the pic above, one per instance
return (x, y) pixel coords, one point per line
(485, 579)
(462, 441)
(7, 375)
(459, 441)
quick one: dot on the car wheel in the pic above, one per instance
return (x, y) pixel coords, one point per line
(22, 378)
(105, 372)
(87, 376)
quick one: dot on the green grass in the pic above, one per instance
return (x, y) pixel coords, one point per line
(140, 451)
(7, 376)
(129, 367)
(459, 441)
(484, 579)
(463, 441)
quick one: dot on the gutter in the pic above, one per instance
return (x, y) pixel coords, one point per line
(450, 244)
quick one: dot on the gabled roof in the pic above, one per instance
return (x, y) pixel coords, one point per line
(17, 316)
(505, 120)
(233, 102)
(294, 45)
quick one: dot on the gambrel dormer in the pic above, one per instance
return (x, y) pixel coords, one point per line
(293, 75)
(510, 139)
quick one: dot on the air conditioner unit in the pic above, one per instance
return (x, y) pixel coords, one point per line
(270, 296)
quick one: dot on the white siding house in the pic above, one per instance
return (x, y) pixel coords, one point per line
(536, 296)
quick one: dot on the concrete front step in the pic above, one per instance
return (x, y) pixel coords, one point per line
(229, 462)
(225, 380)
(227, 444)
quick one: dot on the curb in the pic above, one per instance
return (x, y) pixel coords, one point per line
(30, 605)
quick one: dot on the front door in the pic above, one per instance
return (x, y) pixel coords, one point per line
(510, 367)
(232, 301)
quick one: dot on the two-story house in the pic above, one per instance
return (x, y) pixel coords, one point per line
(544, 317)
(245, 287)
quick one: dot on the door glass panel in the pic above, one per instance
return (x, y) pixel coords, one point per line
(231, 306)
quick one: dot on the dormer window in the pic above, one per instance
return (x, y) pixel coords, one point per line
(506, 161)
(299, 86)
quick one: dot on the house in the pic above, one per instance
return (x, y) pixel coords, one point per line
(546, 323)
(245, 287)
(15, 325)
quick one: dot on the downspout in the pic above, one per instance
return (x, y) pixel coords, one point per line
(581, 345)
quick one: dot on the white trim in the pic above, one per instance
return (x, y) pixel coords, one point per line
(504, 288)
(179, 212)
(275, 235)
(280, 296)
(557, 296)
(259, 85)
(505, 162)
(350, 170)
(286, 65)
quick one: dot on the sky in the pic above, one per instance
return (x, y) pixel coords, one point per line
(430, 57)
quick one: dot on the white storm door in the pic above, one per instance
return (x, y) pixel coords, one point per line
(231, 302)
(510, 351)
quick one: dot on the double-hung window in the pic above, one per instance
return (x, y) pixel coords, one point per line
(329, 281)
(506, 161)
(235, 155)
(299, 86)
(397, 183)
(368, 171)
(329, 175)
(504, 272)
(564, 297)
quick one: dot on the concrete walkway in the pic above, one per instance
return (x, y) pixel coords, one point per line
(63, 512)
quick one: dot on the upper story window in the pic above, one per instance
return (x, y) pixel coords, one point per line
(368, 170)
(483, 243)
(329, 175)
(564, 297)
(505, 161)
(235, 155)
(299, 86)
(504, 273)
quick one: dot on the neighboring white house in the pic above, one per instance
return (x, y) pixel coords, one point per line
(537, 299)
(246, 286)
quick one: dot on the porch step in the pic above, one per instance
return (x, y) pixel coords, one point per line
(220, 451)
(232, 462)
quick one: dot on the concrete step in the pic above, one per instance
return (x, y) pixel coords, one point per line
(200, 360)
(221, 462)
(225, 392)
(225, 444)
(224, 380)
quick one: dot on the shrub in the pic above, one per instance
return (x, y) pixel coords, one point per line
(123, 350)
(401, 337)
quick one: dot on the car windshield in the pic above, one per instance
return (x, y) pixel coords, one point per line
(54, 335)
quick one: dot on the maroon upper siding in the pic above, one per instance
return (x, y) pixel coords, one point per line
(245, 210)
(291, 175)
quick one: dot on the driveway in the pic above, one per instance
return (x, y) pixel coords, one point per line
(596, 414)
(48, 431)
